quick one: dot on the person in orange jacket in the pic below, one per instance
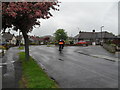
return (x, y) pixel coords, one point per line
(61, 44)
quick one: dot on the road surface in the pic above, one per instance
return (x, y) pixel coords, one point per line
(71, 69)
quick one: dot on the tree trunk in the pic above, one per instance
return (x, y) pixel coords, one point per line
(26, 45)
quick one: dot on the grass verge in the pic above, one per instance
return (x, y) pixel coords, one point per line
(21, 48)
(2, 47)
(33, 76)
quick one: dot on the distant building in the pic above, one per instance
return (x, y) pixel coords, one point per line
(20, 40)
(94, 36)
(47, 39)
(70, 40)
(2, 40)
(13, 40)
(41, 40)
(117, 41)
(9, 38)
(34, 40)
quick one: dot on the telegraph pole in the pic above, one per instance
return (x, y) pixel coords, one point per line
(101, 34)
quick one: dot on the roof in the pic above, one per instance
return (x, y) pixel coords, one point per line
(106, 35)
(35, 38)
(7, 36)
(118, 36)
(93, 35)
(19, 37)
(77, 36)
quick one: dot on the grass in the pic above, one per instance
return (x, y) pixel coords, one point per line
(33, 75)
(21, 48)
(48, 45)
(2, 47)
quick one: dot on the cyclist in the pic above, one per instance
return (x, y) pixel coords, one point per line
(61, 44)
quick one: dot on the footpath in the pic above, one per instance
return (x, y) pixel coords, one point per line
(11, 68)
(98, 52)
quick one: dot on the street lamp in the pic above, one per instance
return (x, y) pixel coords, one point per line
(101, 34)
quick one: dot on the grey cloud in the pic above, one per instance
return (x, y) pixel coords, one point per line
(85, 15)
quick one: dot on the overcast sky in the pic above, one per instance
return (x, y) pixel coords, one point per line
(75, 16)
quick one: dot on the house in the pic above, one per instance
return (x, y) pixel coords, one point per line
(9, 38)
(41, 40)
(2, 40)
(20, 40)
(13, 40)
(34, 39)
(70, 40)
(47, 39)
(117, 41)
(94, 36)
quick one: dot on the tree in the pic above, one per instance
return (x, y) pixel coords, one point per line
(60, 34)
(24, 16)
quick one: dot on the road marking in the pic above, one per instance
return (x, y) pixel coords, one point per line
(3, 64)
(12, 61)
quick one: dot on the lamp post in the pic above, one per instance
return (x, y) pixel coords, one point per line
(101, 34)
(94, 37)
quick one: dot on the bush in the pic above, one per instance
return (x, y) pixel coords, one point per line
(108, 42)
(113, 45)
(71, 42)
(52, 42)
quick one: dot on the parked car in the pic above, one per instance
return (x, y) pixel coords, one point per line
(82, 43)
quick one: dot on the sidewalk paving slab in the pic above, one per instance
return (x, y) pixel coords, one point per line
(11, 70)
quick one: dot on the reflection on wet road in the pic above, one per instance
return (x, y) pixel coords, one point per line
(74, 70)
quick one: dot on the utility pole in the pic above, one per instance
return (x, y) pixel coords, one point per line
(79, 33)
(101, 34)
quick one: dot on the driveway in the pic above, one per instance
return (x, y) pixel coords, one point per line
(71, 69)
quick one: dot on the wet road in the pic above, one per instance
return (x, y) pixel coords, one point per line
(74, 70)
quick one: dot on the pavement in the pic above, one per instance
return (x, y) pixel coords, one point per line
(10, 69)
(71, 69)
(98, 52)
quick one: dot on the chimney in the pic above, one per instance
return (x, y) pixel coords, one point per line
(93, 30)
(80, 32)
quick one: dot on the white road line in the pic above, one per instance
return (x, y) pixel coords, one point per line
(3, 64)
